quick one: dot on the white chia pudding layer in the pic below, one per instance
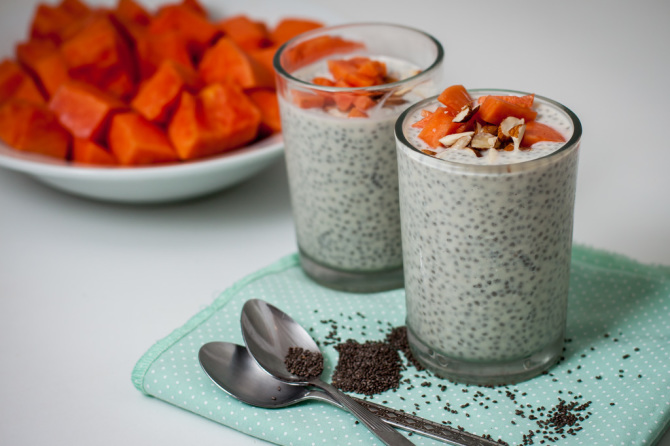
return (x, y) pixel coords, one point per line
(343, 180)
(487, 248)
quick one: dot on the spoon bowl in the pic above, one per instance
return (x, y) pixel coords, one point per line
(269, 334)
(232, 369)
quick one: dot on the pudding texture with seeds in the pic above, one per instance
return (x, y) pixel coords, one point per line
(487, 247)
(343, 181)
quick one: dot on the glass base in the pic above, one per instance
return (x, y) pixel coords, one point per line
(485, 373)
(352, 281)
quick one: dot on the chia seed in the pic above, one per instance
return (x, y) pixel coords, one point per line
(304, 363)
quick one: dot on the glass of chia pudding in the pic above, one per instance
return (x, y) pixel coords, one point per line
(340, 92)
(487, 237)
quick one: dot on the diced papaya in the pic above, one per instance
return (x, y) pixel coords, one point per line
(438, 126)
(195, 6)
(33, 128)
(220, 118)
(265, 57)
(266, 101)
(76, 8)
(86, 151)
(135, 141)
(246, 33)
(364, 102)
(341, 68)
(536, 132)
(494, 110)
(50, 21)
(196, 30)
(152, 49)
(523, 101)
(317, 48)
(289, 27)
(231, 113)
(455, 98)
(97, 53)
(323, 81)
(84, 109)
(227, 62)
(17, 84)
(425, 114)
(158, 95)
(356, 113)
(131, 11)
(304, 99)
(45, 62)
(344, 101)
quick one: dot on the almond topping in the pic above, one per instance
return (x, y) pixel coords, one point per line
(450, 140)
(484, 140)
(466, 113)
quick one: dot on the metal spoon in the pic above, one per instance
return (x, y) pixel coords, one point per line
(269, 333)
(231, 367)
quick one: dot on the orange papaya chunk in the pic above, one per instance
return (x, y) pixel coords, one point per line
(537, 132)
(454, 98)
(422, 122)
(158, 95)
(133, 12)
(246, 33)
(16, 83)
(494, 110)
(289, 27)
(438, 125)
(84, 110)
(195, 6)
(31, 127)
(226, 62)
(135, 141)
(152, 49)
(86, 151)
(304, 99)
(45, 62)
(96, 54)
(356, 113)
(523, 101)
(76, 8)
(265, 57)
(266, 101)
(50, 21)
(195, 29)
(220, 118)
(317, 48)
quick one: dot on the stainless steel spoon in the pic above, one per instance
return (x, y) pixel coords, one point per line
(269, 333)
(231, 367)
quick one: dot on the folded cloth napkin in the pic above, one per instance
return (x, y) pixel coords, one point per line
(612, 386)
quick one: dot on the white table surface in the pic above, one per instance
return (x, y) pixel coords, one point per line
(87, 287)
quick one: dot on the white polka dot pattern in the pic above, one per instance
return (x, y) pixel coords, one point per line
(616, 363)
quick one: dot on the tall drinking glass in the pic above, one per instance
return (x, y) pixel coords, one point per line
(341, 164)
(487, 244)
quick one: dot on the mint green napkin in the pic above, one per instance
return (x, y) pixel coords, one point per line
(616, 363)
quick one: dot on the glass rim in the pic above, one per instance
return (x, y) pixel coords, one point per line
(492, 168)
(279, 69)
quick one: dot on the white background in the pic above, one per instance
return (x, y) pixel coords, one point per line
(87, 287)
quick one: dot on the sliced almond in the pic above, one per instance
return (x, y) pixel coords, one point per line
(450, 140)
(508, 124)
(484, 140)
(466, 113)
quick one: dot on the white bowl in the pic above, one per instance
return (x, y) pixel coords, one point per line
(152, 184)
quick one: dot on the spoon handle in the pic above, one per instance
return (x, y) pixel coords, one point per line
(382, 430)
(425, 427)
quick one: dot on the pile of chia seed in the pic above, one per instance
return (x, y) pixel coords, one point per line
(304, 363)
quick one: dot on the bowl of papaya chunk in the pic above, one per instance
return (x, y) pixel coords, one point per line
(139, 104)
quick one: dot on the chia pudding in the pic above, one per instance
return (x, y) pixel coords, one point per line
(342, 171)
(487, 244)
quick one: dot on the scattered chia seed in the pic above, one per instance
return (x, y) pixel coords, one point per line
(304, 363)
